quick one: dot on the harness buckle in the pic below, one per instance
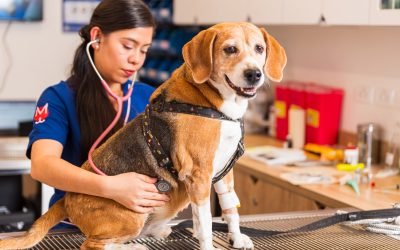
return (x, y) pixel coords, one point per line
(158, 105)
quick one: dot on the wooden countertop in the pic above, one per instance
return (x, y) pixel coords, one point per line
(332, 195)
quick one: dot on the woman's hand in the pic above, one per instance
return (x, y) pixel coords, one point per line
(135, 191)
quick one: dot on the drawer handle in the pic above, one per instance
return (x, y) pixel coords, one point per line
(254, 179)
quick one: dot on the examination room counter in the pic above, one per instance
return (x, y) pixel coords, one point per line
(267, 192)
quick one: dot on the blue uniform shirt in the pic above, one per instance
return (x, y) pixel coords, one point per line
(56, 118)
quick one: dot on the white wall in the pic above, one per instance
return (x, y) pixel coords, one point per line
(41, 54)
(348, 57)
(354, 58)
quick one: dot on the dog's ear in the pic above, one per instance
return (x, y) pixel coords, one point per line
(276, 57)
(198, 55)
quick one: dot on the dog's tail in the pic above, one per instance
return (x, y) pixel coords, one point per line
(38, 230)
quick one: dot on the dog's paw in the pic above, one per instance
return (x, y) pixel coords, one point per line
(241, 241)
(209, 248)
(161, 232)
(130, 246)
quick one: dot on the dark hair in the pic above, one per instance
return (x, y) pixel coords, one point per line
(95, 111)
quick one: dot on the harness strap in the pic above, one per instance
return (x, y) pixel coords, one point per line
(161, 157)
(160, 105)
(238, 153)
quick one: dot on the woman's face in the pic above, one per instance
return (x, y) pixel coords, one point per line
(120, 54)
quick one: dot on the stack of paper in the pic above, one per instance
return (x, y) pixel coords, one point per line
(275, 156)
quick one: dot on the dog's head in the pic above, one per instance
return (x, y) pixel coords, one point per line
(236, 58)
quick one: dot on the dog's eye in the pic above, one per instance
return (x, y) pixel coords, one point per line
(259, 49)
(231, 50)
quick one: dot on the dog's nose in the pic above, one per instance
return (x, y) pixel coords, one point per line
(252, 76)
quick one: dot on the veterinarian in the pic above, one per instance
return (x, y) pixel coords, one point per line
(72, 114)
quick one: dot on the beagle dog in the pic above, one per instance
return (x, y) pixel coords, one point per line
(196, 117)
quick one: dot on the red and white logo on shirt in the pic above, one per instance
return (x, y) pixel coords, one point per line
(41, 114)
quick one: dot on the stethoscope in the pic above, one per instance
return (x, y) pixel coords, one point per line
(161, 185)
(119, 99)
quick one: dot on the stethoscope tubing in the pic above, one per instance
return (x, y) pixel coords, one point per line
(119, 100)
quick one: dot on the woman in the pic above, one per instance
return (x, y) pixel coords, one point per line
(72, 114)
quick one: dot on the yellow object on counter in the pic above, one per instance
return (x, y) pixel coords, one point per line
(349, 167)
(326, 153)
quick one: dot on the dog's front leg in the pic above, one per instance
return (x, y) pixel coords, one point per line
(229, 203)
(199, 193)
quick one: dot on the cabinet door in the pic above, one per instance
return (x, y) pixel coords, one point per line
(385, 12)
(265, 11)
(259, 197)
(185, 12)
(216, 11)
(346, 12)
(302, 12)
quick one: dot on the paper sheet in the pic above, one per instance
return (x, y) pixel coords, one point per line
(275, 156)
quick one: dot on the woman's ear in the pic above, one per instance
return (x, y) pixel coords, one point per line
(95, 34)
(198, 55)
(276, 57)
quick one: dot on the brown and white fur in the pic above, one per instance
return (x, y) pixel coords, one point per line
(224, 65)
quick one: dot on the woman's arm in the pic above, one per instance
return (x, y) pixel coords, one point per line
(134, 191)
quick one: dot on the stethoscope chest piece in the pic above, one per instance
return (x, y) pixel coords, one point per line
(163, 186)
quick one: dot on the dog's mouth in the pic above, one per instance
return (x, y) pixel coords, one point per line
(245, 92)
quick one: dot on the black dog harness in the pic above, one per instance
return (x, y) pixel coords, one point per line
(163, 159)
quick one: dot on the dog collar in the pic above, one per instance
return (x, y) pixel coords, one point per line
(160, 105)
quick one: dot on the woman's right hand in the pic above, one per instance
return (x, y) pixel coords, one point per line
(135, 191)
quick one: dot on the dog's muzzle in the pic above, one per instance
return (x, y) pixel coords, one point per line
(245, 92)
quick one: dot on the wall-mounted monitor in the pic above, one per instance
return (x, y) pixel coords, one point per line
(21, 10)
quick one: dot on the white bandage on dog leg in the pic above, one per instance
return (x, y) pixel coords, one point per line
(227, 199)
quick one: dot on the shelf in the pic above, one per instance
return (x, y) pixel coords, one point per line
(163, 54)
(151, 81)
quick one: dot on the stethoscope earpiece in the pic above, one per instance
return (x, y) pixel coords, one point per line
(93, 41)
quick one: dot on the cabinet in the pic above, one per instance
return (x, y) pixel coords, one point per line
(216, 11)
(185, 12)
(288, 12)
(208, 12)
(265, 11)
(346, 12)
(385, 12)
(258, 196)
(301, 12)
(332, 12)
(19, 195)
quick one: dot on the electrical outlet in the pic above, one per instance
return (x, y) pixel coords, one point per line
(384, 96)
(396, 99)
(364, 94)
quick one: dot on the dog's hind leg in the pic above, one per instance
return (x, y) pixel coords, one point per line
(158, 230)
(131, 246)
(94, 244)
(157, 224)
